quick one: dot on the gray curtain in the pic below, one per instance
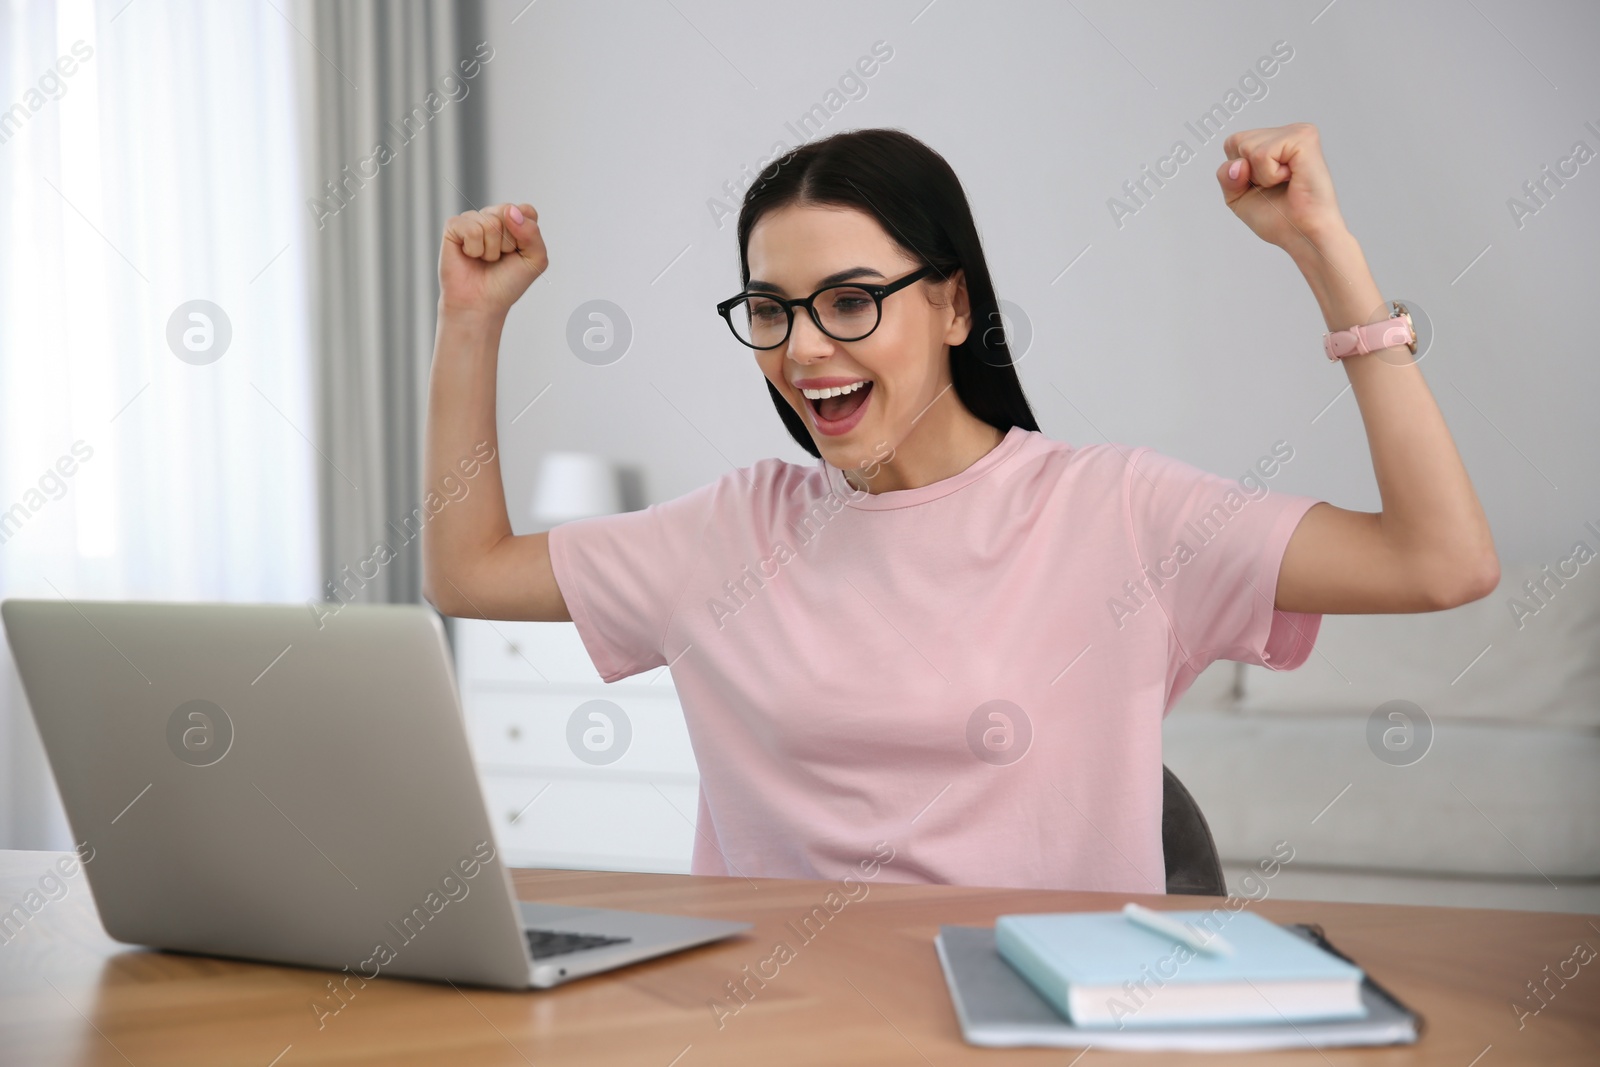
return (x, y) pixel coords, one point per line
(392, 115)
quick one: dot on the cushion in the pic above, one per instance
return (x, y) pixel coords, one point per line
(1507, 658)
(1484, 799)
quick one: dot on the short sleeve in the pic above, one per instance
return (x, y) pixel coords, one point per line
(621, 577)
(1209, 549)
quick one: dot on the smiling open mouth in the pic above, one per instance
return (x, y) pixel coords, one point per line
(840, 404)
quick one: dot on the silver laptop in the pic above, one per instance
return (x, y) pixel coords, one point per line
(245, 781)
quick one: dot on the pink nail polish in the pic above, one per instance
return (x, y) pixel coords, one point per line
(516, 216)
(1233, 169)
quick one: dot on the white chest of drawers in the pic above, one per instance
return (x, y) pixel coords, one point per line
(576, 773)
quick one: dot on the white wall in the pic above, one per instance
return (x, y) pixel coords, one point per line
(1179, 329)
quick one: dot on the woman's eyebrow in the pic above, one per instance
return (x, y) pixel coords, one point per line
(833, 279)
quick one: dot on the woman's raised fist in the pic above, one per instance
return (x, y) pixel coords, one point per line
(489, 258)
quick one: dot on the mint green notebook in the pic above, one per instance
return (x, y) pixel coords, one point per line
(1101, 970)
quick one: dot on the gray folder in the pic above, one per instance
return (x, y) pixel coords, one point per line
(997, 1008)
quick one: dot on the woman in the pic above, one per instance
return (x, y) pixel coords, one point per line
(952, 638)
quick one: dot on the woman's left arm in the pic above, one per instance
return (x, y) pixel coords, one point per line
(1430, 547)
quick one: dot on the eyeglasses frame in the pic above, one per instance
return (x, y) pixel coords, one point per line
(877, 292)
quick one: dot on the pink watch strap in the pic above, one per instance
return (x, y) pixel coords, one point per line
(1359, 340)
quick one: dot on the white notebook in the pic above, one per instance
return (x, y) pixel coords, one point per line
(997, 1008)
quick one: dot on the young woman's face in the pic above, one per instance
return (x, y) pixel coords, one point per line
(903, 364)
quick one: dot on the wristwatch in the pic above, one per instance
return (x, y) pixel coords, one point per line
(1359, 340)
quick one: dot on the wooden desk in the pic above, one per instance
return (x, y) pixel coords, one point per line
(866, 990)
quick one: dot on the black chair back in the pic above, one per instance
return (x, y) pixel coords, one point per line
(1193, 865)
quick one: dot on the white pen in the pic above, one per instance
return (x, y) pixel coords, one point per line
(1212, 944)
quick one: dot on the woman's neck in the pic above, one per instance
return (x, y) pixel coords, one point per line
(934, 450)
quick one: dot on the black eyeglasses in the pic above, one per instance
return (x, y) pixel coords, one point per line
(846, 312)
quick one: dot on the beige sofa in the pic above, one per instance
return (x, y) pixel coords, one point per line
(1485, 790)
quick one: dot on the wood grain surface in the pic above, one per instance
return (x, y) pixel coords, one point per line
(864, 987)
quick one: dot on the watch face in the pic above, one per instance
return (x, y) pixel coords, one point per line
(1411, 328)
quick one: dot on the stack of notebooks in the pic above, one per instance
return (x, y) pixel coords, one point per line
(1186, 980)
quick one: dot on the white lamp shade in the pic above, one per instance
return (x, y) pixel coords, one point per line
(575, 485)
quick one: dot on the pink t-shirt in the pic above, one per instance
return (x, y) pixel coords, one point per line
(974, 671)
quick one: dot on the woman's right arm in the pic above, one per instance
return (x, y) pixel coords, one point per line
(473, 566)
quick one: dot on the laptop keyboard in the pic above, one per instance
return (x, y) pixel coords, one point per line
(546, 943)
